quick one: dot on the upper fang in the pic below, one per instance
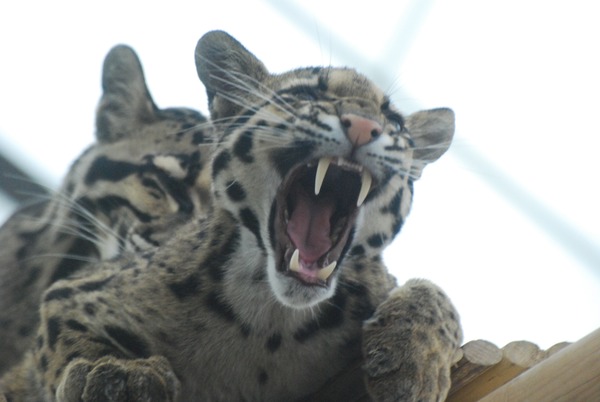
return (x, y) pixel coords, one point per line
(321, 172)
(365, 186)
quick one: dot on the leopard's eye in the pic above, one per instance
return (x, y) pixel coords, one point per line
(303, 93)
(306, 96)
(396, 121)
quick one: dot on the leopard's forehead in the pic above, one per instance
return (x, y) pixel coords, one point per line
(340, 82)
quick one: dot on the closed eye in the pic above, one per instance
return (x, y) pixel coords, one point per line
(396, 120)
(302, 93)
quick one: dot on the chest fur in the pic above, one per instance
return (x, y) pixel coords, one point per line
(233, 342)
(261, 366)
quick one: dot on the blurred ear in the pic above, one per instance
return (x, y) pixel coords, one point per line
(431, 132)
(126, 102)
(229, 72)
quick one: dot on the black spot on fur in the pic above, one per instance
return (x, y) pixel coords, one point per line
(377, 240)
(288, 157)
(394, 205)
(273, 343)
(243, 147)
(235, 191)
(250, 220)
(106, 169)
(221, 308)
(76, 326)
(242, 119)
(69, 265)
(188, 287)
(53, 329)
(129, 341)
(397, 225)
(198, 137)
(357, 250)
(89, 309)
(58, 294)
(215, 261)
(95, 285)
(25, 330)
(263, 377)
(44, 363)
(220, 163)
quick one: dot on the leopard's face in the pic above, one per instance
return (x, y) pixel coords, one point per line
(143, 176)
(316, 164)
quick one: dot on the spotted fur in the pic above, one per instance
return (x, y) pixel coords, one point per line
(140, 180)
(215, 310)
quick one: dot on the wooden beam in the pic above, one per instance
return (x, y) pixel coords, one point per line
(572, 374)
(510, 361)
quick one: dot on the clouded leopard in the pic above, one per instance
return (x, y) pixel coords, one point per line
(240, 258)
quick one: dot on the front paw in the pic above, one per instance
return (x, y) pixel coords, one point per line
(111, 379)
(410, 344)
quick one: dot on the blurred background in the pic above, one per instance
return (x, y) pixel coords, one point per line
(506, 222)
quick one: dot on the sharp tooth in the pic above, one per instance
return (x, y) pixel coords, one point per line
(365, 186)
(321, 172)
(326, 272)
(295, 261)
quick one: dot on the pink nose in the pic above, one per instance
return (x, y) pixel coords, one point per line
(360, 130)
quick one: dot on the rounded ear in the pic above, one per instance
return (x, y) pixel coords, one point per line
(126, 101)
(229, 72)
(431, 132)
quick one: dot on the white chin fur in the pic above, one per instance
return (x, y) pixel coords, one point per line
(292, 293)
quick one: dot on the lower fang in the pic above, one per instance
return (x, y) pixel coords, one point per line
(325, 273)
(295, 261)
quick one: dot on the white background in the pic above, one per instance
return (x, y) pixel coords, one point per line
(507, 222)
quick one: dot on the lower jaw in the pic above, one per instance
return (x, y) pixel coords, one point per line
(291, 292)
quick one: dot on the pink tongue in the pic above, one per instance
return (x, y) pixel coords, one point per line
(309, 226)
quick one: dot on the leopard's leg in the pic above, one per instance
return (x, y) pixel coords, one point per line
(90, 348)
(410, 344)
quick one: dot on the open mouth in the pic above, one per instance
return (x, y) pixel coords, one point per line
(317, 206)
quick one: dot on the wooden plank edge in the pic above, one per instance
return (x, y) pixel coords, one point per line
(571, 374)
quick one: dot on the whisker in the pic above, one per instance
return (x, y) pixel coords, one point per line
(72, 257)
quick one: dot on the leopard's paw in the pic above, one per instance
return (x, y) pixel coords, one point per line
(411, 343)
(111, 379)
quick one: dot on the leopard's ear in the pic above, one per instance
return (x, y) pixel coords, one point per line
(229, 72)
(126, 102)
(431, 132)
